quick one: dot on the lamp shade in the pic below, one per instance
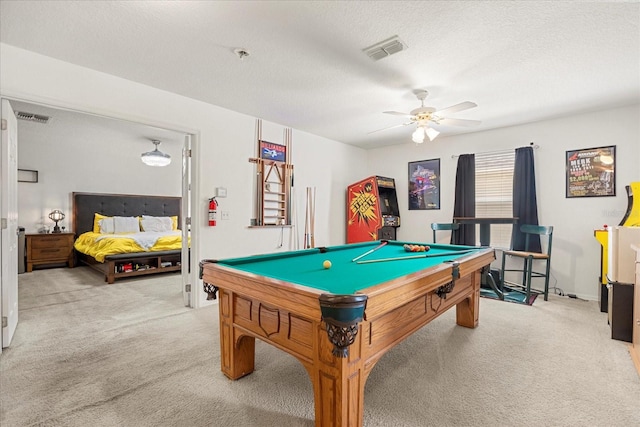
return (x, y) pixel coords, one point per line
(155, 157)
(432, 133)
(418, 135)
(56, 215)
(423, 131)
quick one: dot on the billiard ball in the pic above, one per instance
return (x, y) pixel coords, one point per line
(326, 264)
(416, 248)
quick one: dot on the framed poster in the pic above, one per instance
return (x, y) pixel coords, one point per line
(591, 172)
(424, 184)
(271, 151)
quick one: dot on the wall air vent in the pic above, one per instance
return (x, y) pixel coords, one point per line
(385, 48)
(21, 115)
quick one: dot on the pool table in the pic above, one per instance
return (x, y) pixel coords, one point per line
(339, 321)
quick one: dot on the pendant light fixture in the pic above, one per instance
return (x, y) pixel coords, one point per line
(155, 157)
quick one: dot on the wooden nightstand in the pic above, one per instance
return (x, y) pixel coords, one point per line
(51, 248)
(635, 339)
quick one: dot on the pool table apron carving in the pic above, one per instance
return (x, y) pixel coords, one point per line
(289, 317)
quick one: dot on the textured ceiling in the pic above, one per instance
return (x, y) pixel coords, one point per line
(519, 61)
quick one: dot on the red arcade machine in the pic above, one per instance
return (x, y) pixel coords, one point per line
(372, 210)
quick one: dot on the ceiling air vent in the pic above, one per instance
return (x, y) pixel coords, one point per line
(21, 115)
(385, 48)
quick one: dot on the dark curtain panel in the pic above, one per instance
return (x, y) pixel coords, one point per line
(525, 206)
(465, 200)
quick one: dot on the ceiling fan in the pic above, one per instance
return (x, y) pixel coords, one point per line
(426, 117)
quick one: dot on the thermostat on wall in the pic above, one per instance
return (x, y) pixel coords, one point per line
(221, 192)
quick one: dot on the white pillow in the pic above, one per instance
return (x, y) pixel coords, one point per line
(126, 224)
(150, 223)
(164, 219)
(107, 225)
(152, 217)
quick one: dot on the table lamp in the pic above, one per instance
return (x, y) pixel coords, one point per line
(56, 216)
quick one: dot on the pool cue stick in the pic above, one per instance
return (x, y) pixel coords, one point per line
(384, 242)
(400, 258)
(310, 214)
(292, 230)
(287, 170)
(313, 217)
(296, 237)
(259, 176)
(306, 222)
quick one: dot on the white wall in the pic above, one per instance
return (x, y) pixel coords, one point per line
(576, 253)
(318, 162)
(224, 141)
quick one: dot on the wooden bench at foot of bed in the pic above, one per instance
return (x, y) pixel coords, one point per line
(138, 264)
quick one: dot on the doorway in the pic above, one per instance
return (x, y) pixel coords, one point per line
(75, 151)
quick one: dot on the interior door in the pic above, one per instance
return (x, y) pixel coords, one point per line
(9, 215)
(186, 221)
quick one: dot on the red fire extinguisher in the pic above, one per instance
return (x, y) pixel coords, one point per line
(213, 211)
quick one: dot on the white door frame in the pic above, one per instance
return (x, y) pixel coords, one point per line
(9, 228)
(191, 267)
(185, 219)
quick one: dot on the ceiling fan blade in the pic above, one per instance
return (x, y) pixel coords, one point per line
(390, 127)
(458, 122)
(455, 108)
(398, 113)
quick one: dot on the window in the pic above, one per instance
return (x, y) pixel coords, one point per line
(494, 193)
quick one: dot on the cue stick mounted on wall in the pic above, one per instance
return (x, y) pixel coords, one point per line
(309, 219)
(259, 176)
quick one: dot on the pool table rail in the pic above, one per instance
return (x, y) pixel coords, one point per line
(382, 333)
(275, 292)
(399, 291)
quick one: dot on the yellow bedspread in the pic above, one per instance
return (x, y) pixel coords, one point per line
(89, 244)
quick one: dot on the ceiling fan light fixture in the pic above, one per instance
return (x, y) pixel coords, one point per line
(432, 133)
(418, 135)
(155, 157)
(424, 116)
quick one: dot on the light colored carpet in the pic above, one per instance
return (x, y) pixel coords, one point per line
(129, 354)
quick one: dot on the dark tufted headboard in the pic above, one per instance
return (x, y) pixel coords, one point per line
(85, 205)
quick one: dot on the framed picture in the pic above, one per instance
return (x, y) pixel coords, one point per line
(271, 151)
(424, 184)
(591, 172)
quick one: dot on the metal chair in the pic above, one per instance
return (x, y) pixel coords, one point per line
(438, 226)
(529, 257)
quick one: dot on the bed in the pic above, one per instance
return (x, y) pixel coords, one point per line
(120, 256)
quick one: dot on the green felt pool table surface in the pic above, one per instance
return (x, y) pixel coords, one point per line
(305, 267)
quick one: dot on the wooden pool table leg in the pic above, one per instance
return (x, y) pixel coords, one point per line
(338, 384)
(237, 351)
(467, 311)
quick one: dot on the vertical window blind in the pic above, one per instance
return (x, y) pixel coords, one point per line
(494, 192)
